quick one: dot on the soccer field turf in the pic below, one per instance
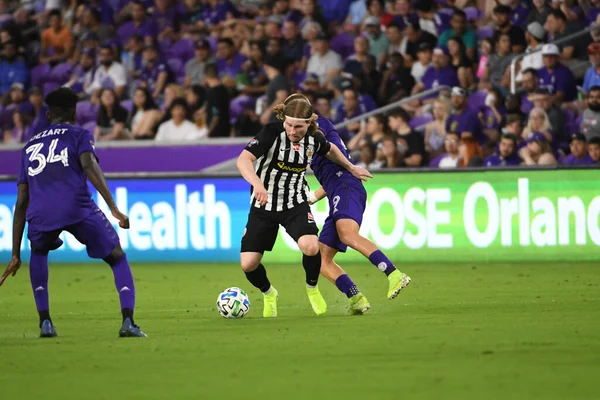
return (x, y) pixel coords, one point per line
(458, 332)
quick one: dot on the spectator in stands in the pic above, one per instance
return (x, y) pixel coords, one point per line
(350, 108)
(376, 8)
(507, 153)
(535, 37)
(462, 120)
(423, 61)
(293, 44)
(579, 152)
(397, 43)
(392, 158)
(556, 77)
(57, 40)
(191, 17)
(538, 123)
(194, 69)
(166, 19)
(144, 116)
(82, 75)
(323, 105)
(370, 78)
(273, 26)
(514, 126)
(12, 68)
(217, 104)
(519, 12)
(378, 42)
(452, 156)
(594, 149)
(40, 119)
(15, 101)
(485, 51)
(132, 57)
(493, 115)
(397, 82)
(439, 73)
(435, 131)
(156, 74)
(573, 50)
(410, 144)
(592, 75)
(459, 29)
(537, 151)
(229, 62)
(179, 128)
(543, 100)
(278, 88)
(112, 118)
(172, 91)
(92, 22)
(528, 89)
(324, 62)
(20, 131)
(461, 63)
(195, 97)
(539, 12)
(413, 39)
(470, 153)
(367, 159)
(516, 36)
(496, 71)
(371, 133)
(139, 25)
(110, 74)
(590, 122)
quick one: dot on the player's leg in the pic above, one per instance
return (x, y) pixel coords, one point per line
(41, 244)
(348, 231)
(336, 275)
(102, 242)
(300, 225)
(259, 236)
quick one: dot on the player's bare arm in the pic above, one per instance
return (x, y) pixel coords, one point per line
(18, 229)
(338, 157)
(317, 195)
(245, 164)
(96, 177)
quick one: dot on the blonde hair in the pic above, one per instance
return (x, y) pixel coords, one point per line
(546, 127)
(297, 106)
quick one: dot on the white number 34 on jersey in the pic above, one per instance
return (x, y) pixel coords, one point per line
(35, 154)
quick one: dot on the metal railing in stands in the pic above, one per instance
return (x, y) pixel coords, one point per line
(392, 106)
(513, 63)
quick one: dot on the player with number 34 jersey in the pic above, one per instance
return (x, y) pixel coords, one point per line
(347, 202)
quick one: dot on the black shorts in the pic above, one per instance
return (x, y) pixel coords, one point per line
(262, 227)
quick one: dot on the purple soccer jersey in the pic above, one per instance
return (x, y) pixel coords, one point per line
(467, 121)
(346, 194)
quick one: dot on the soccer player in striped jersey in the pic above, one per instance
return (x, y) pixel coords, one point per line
(347, 202)
(279, 196)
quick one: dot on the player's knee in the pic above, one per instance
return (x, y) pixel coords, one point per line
(309, 246)
(114, 255)
(249, 263)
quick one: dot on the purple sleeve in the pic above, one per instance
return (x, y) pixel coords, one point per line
(565, 83)
(85, 144)
(435, 163)
(22, 178)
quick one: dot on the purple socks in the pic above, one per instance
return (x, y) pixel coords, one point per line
(124, 282)
(384, 264)
(38, 274)
(346, 286)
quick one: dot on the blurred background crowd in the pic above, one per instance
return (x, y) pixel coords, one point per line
(498, 91)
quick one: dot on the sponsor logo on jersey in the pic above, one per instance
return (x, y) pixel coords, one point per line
(311, 219)
(296, 146)
(253, 142)
(281, 165)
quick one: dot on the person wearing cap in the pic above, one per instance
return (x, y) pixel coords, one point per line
(556, 77)
(506, 154)
(194, 69)
(325, 62)
(440, 72)
(422, 62)
(156, 74)
(378, 42)
(573, 51)
(501, 17)
(109, 73)
(13, 68)
(140, 24)
(594, 150)
(57, 40)
(459, 28)
(462, 120)
(590, 121)
(537, 151)
(535, 37)
(579, 151)
(278, 88)
(273, 26)
(592, 75)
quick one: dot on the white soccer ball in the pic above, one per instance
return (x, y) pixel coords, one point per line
(233, 302)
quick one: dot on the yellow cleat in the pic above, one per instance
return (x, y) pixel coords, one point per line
(317, 301)
(398, 281)
(358, 305)
(270, 303)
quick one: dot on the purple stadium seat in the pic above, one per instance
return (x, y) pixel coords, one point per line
(182, 49)
(39, 74)
(472, 13)
(90, 126)
(61, 73)
(50, 86)
(127, 104)
(420, 121)
(86, 112)
(485, 32)
(571, 125)
(177, 66)
(476, 101)
(164, 46)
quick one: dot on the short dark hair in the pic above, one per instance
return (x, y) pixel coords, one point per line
(395, 24)
(558, 14)
(531, 71)
(211, 71)
(543, 91)
(502, 9)
(500, 36)
(511, 137)
(55, 12)
(62, 104)
(594, 88)
(459, 13)
(400, 113)
(227, 41)
(594, 140)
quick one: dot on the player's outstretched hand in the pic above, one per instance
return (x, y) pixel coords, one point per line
(11, 269)
(123, 219)
(361, 173)
(260, 194)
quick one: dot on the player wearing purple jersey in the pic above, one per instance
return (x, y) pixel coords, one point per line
(53, 196)
(347, 201)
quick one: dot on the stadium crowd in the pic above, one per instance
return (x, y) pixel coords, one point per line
(170, 70)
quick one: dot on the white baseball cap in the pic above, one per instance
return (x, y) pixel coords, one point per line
(550, 50)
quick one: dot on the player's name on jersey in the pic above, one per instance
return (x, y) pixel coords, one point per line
(49, 132)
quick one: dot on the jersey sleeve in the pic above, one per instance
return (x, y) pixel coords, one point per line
(86, 144)
(321, 143)
(22, 178)
(261, 143)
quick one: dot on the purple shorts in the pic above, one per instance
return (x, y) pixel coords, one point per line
(346, 202)
(95, 232)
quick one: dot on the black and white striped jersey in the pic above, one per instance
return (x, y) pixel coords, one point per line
(281, 165)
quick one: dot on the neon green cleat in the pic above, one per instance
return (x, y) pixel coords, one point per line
(316, 300)
(270, 303)
(398, 281)
(358, 304)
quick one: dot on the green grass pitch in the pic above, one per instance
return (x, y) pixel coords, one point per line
(458, 332)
